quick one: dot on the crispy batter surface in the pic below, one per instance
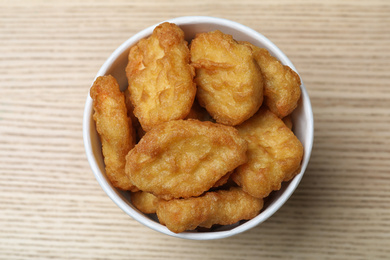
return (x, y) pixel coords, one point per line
(281, 84)
(184, 158)
(222, 207)
(144, 201)
(114, 128)
(274, 153)
(160, 77)
(224, 179)
(230, 83)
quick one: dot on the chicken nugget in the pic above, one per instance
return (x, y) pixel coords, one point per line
(160, 77)
(223, 207)
(224, 179)
(144, 201)
(281, 84)
(274, 153)
(114, 128)
(184, 158)
(230, 83)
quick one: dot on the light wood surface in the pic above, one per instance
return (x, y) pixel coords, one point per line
(51, 206)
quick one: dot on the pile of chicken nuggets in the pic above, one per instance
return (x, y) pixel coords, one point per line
(202, 135)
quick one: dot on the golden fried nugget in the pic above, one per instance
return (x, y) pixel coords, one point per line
(274, 153)
(114, 128)
(224, 207)
(224, 179)
(281, 84)
(230, 83)
(289, 177)
(160, 77)
(184, 158)
(144, 201)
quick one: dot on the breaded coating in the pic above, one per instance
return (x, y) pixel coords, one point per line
(144, 201)
(229, 81)
(184, 158)
(281, 84)
(224, 179)
(223, 207)
(160, 77)
(274, 153)
(114, 128)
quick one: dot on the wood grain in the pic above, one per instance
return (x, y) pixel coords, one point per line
(51, 207)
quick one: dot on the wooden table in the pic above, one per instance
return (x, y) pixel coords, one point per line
(51, 206)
